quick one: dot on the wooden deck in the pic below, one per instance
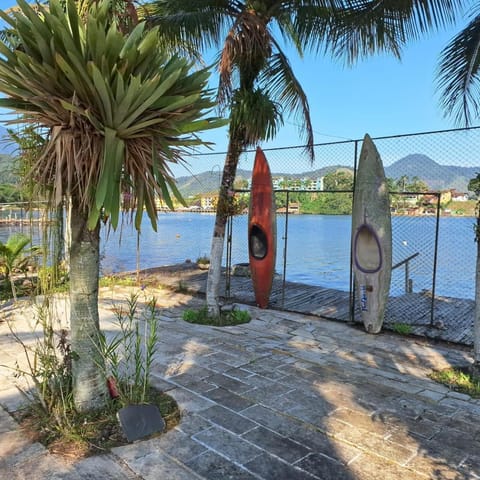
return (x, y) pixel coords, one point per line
(452, 320)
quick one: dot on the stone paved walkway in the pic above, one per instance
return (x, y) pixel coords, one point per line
(286, 396)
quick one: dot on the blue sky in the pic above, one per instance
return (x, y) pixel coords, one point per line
(381, 96)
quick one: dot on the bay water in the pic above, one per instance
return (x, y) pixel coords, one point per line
(311, 249)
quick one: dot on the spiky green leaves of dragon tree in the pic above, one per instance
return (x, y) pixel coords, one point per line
(117, 107)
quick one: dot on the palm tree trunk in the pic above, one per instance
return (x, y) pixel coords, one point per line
(235, 147)
(89, 387)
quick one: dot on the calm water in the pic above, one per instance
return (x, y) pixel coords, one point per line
(317, 251)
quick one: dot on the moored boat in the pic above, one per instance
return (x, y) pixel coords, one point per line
(262, 239)
(371, 237)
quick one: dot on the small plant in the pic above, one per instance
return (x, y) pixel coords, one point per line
(12, 254)
(52, 279)
(402, 328)
(226, 318)
(203, 260)
(458, 379)
(181, 287)
(49, 363)
(128, 356)
(51, 413)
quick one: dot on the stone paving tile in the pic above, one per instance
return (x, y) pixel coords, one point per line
(45, 467)
(212, 466)
(228, 419)
(275, 444)
(310, 409)
(272, 420)
(229, 383)
(16, 448)
(228, 445)
(268, 467)
(190, 401)
(192, 423)
(470, 466)
(239, 374)
(373, 423)
(159, 465)
(264, 371)
(434, 459)
(369, 467)
(319, 442)
(228, 399)
(268, 395)
(457, 439)
(178, 445)
(324, 467)
(369, 441)
(102, 467)
(7, 423)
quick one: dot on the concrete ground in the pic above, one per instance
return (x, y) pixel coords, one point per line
(286, 396)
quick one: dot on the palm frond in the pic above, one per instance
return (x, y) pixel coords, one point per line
(352, 29)
(281, 83)
(200, 23)
(459, 74)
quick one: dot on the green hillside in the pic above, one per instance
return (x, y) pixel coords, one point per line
(7, 169)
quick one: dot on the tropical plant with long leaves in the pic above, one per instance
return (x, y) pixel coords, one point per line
(257, 84)
(11, 254)
(118, 109)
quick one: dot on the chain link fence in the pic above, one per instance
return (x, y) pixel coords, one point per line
(433, 213)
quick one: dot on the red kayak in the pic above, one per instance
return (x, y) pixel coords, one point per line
(262, 235)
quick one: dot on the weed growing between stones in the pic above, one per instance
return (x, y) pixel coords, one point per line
(402, 328)
(459, 379)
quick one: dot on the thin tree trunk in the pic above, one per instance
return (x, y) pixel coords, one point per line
(476, 334)
(89, 386)
(235, 147)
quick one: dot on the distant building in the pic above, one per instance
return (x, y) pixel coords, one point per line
(459, 197)
(208, 201)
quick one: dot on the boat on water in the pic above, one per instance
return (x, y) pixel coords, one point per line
(371, 237)
(262, 236)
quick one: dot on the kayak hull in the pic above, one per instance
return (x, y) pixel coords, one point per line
(262, 239)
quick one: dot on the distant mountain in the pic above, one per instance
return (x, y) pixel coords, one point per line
(208, 182)
(7, 147)
(436, 176)
(7, 169)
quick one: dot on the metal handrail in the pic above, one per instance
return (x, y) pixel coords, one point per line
(408, 281)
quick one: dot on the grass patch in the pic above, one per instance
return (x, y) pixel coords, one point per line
(113, 281)
(402, 328)
(227, 317)
(89, 433)
(459, 379)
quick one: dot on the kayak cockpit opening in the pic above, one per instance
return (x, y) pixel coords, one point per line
(257, 243)
(367, 250)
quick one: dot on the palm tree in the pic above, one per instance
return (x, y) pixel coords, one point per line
(459, 82)
(116, 109)
(257, 83)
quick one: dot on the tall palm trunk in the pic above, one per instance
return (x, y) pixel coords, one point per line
(235, 147)
(89, 386)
